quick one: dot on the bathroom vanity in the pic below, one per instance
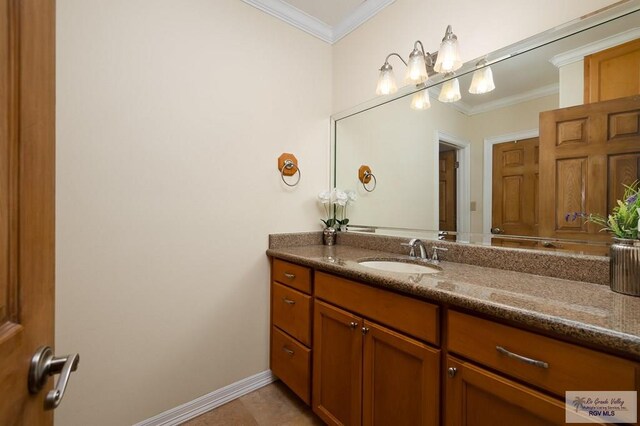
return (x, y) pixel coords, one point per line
(465, 345)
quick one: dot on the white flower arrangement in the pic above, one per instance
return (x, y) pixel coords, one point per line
(335, 203)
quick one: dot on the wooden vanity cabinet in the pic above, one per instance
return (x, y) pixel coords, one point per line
(337, 365)
(477, 397)
(364, 372)
(291, 307)
(362, 355)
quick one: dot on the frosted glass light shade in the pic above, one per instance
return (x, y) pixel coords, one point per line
(420, 100)
(416, 69)
(386, 81)
(450, 91)
(448, 57)
(482, 81)
(449, 54)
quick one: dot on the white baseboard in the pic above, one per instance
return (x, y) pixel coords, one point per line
(198, 406)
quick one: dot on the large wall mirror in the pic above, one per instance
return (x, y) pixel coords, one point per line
(560, 133)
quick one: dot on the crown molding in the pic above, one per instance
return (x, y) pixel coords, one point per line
(294, 16)
(579, 53)
(469, 110)
(309, 24)
(530, 95)
(359, 16)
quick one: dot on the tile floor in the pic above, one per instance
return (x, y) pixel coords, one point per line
(272, 405)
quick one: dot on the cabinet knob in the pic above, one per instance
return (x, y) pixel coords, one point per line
(452, 371)
(365, 330)
(353, 325)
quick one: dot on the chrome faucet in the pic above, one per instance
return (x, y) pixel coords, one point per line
(419, 244)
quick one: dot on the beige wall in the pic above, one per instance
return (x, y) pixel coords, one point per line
(481, 27)
(171, 115)
(571, 84)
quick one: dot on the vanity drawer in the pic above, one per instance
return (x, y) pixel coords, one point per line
(291, 362)
(411, 316)
(569, 367)
(293, 275)
(291, 312)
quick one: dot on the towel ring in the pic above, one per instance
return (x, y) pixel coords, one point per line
(288, 166)
(365, 176)
(369, 176)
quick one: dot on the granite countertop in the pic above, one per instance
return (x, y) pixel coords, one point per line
(581, 311)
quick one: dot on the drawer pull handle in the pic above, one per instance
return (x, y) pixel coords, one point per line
(288, 351)
(290, 276)
(288, 301)
(521, 358)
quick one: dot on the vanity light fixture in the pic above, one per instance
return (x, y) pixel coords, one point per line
(418, 65)
(421, 64)
(420, 100)
(482, 81)
(449, 53)
(387, 81)
(450, 91)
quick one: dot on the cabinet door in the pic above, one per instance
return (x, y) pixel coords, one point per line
(476, 397)
(401, 380)
(337, 365)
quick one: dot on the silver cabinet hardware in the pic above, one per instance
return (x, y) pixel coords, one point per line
(290, 276)
(353, 325)
(43, 365)
(288, 301)
(365, 330)
(288, 351)
(521, 358)
(452, 371)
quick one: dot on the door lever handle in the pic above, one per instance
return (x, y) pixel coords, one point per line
(43, 365)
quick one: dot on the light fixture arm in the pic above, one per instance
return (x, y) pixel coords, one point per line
(386, 61)
(429, 58)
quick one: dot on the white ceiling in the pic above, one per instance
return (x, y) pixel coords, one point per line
(329, 20)
(331, 12)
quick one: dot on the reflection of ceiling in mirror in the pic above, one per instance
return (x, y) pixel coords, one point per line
(531, 75)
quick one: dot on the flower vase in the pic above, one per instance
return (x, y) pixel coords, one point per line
(624, 269)
(329, 236)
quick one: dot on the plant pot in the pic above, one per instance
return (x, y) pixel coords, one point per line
(624, 269)
(329, 236)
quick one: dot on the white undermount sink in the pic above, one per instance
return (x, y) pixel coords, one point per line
(398, 266)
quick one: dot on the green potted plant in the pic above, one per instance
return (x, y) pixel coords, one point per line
(623, 222)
